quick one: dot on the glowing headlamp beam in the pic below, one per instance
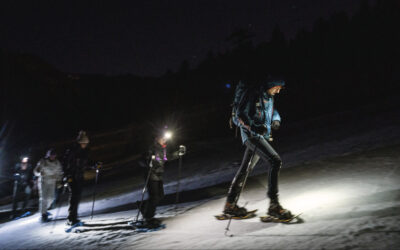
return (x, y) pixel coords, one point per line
(167, 135)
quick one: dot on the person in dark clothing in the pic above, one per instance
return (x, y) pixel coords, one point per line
(257, 116)
(23, 184)
(158, 155)
(76, 163)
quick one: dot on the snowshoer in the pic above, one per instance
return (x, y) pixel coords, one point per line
(49, 171)
(23, 185)
(157, 157)
(76, 163)
(256, 117)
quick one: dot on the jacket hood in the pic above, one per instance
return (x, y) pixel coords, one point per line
(274, 83)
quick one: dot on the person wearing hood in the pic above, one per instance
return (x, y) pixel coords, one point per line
(257, 117)
(49, 171)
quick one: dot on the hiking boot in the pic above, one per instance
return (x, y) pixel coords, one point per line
(71, 222)
(152, 223)
(155, 221)
(277, 211)
(44, 218)
(234, 210)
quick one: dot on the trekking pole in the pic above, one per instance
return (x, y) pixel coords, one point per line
(181, 148)
(179, 180)
(15, 189)
(145, 187)
(241, 190)
(95, 185)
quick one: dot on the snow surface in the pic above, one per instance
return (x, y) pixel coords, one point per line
(346, 187)
(347, 202)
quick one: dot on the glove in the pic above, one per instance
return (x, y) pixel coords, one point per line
(98, 165)
(182, 150)
(67, 179)
(275, 125)
(261, 130)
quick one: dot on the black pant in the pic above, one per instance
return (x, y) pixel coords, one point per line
(75, 193)
(156, 194)
(265, 151)
(24, 192)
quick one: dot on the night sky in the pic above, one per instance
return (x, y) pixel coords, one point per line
(146, 37)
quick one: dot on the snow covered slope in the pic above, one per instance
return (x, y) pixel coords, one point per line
(347, 202)
(341, 172)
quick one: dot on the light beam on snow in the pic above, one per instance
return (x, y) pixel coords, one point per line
(26, 221)
(316, 199)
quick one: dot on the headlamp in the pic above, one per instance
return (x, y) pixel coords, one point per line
(167, 135)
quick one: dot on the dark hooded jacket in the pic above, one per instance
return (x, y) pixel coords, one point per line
(76, 162)
(24, 177)
(257, 110)
(157, 156)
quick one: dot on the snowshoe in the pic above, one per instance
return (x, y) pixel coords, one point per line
(292, 220)
(234, 210)
(71, 222)
(71, 227)
(242, 216)
(149, 225)
(276, 213)
(154, 222)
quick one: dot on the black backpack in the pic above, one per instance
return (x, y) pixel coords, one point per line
(241, 92)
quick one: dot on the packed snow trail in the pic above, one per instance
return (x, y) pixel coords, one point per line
(347, 202)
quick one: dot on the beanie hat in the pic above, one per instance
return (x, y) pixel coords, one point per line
(82, 137)
(275, 82)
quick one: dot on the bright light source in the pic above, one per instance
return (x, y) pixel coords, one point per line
(167, 135)
(25, 159)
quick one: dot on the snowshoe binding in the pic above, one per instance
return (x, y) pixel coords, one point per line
(147, 225)
(71, 222)
(71, 225)
(235, 212)
(276, 213)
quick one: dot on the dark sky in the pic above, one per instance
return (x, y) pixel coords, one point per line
(146, 37)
